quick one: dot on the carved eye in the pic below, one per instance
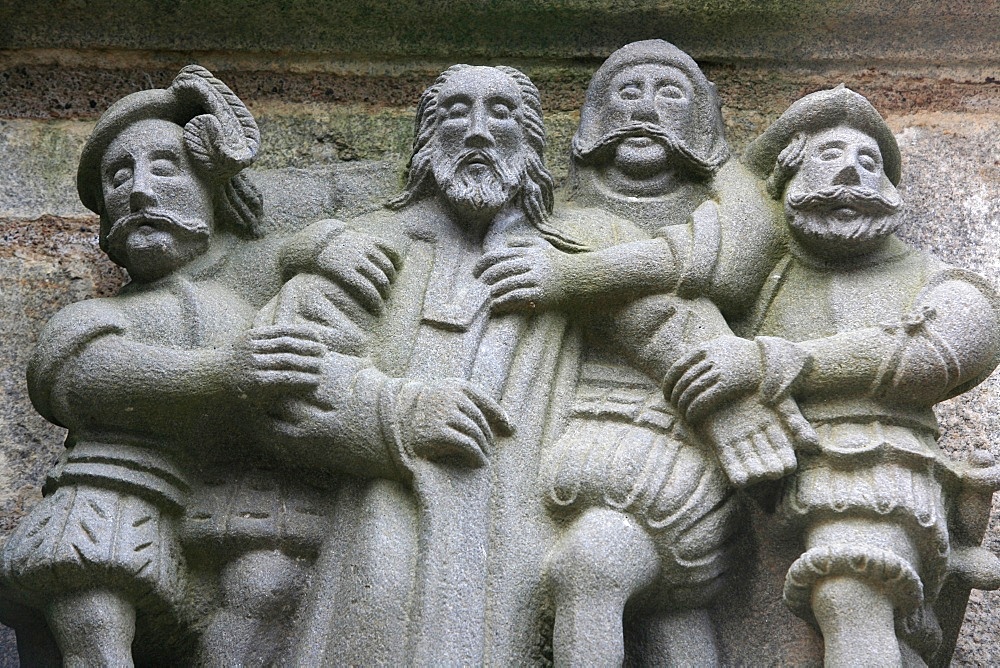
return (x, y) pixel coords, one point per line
(868, 162)
(630, 92)
(163, 167)
(500, 110)
(670, 92)
(121, 176)
(830, 153)
(458, 110)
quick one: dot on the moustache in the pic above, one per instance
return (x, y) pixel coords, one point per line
(156, 219)
(487, 156)
(598, 150)
(480, 156)
(159, 220)
(865, 200)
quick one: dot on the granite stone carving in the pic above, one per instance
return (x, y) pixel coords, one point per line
(495, 422)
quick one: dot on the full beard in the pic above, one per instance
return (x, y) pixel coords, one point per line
(477, 183)
(847, 216)
(681, 157)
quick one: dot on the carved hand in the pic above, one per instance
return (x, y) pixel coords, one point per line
(453, 421)
(526, 275)
(363, 265)
(756, 442)
(719, 371)
(277, 361)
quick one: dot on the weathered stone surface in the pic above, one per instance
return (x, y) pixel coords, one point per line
(719, 30)
(45, 264)
(958, 219)
(350, 133)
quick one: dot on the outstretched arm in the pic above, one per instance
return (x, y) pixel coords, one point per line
(948, 340)
(107, 380)
(531, 274)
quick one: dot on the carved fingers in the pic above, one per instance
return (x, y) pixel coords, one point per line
(803, 436)
(719, 371)
(753, 443)
(279, 359)
(363, 266)
(455, 422)
(523, 276)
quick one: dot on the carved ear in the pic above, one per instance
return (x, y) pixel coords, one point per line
(225, 139)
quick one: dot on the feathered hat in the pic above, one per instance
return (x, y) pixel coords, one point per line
(219, 132)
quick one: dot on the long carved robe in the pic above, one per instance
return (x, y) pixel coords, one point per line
(472, 540)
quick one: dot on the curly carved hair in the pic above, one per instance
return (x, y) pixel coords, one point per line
(219, 134)
(786, 166)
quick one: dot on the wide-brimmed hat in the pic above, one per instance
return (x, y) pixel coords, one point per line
(218, 128)
(819, 111)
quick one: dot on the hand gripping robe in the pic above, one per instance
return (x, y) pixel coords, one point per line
(115, 372)
(113, 504)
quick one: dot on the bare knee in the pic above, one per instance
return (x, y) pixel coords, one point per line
(603, 550)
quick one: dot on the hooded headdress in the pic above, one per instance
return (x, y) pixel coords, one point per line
(706, 143)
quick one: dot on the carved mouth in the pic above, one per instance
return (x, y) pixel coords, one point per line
(845, 213)
(638, 141)
(476, 158)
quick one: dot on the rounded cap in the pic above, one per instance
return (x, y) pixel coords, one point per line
(819, 111)
(217, 126)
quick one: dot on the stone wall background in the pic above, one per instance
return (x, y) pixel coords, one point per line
(334, 86)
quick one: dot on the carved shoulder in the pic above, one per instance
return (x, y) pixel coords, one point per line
(962, 314)
(298, 254)
(65, 336)
(752, 238)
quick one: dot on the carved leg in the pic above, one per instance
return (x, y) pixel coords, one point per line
(603, 559)
(93, 628)
(863, 570)
(260, 595)
(857, 622)
(672, 638)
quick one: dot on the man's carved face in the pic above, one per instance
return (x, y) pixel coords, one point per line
(647, 118)
(652, 99)
(160, 209)
(840, 197)
(479, 143)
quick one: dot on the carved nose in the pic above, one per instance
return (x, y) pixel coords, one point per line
(645, 112)
(478, 134)
(142, 196)
(848, 176)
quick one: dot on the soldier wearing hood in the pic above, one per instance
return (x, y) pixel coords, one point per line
(648, 515)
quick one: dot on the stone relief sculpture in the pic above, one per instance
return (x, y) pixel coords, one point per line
(873, 500)
(491, 423)
(447, 372)
(162, 169)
